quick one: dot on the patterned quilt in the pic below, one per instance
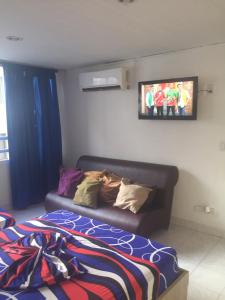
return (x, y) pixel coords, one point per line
(6, 219)
(110, 273)
(164, 257)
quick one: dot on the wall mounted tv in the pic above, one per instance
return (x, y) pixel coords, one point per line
(169, 99)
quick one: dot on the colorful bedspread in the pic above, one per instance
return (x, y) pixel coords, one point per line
(110, 273)
(163, 257)
(6, 219)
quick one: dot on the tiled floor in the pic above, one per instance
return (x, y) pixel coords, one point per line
(203, 255)
(31, 212)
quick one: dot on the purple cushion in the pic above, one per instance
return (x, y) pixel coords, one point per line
(69, 179)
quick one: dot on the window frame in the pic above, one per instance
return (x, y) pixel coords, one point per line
(4, 149)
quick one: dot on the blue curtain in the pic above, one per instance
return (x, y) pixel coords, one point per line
(34, 134)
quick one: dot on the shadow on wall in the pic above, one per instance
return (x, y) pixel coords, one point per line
(191, 191)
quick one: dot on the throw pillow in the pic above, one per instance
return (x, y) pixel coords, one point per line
(96, 175)
(87, 193)
(149, 202)
(69, 179)
(131, 196)
(110, 188)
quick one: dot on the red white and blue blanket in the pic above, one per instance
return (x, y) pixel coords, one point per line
(6, 219)
(164, 257)
(99, 271)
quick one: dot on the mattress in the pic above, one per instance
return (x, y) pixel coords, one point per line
(164, 257)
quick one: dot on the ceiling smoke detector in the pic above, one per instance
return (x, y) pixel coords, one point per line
(14, 38)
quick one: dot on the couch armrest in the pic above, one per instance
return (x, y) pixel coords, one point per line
(152, 220)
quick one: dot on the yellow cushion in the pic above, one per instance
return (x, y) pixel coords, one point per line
(87, 193)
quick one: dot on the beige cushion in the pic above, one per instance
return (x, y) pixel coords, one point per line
(132, 196)
(87, 193)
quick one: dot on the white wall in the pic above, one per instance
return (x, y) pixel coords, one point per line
(60, 78)
(5, 192)
(105, 123)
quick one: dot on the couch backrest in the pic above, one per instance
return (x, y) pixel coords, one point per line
(162, 176)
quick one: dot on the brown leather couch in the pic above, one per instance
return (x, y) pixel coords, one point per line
(156, 216)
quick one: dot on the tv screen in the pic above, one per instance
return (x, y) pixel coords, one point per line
(169, 99)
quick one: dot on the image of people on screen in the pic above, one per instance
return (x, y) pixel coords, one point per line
(183, 99)
(149, 100)
(159, 100)
(167, 99)
(171, 95)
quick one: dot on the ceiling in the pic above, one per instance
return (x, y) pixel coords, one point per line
(70, 33)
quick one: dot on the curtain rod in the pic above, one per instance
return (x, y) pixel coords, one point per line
(2, 62)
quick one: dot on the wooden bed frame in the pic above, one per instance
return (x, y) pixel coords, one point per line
(178, 289)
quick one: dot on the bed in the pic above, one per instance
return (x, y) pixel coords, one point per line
(6, 219)
(170, 282)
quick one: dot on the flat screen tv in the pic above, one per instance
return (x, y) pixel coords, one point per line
(169, 99)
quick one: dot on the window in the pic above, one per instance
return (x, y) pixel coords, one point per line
(4, 153)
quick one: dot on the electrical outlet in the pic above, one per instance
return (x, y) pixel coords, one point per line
(209, 210)
(199, 208)
(206, 209)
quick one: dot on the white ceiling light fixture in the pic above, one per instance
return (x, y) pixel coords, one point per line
(126, 1)
(14, 38)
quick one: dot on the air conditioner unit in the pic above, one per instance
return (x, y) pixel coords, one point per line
(102, 80)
